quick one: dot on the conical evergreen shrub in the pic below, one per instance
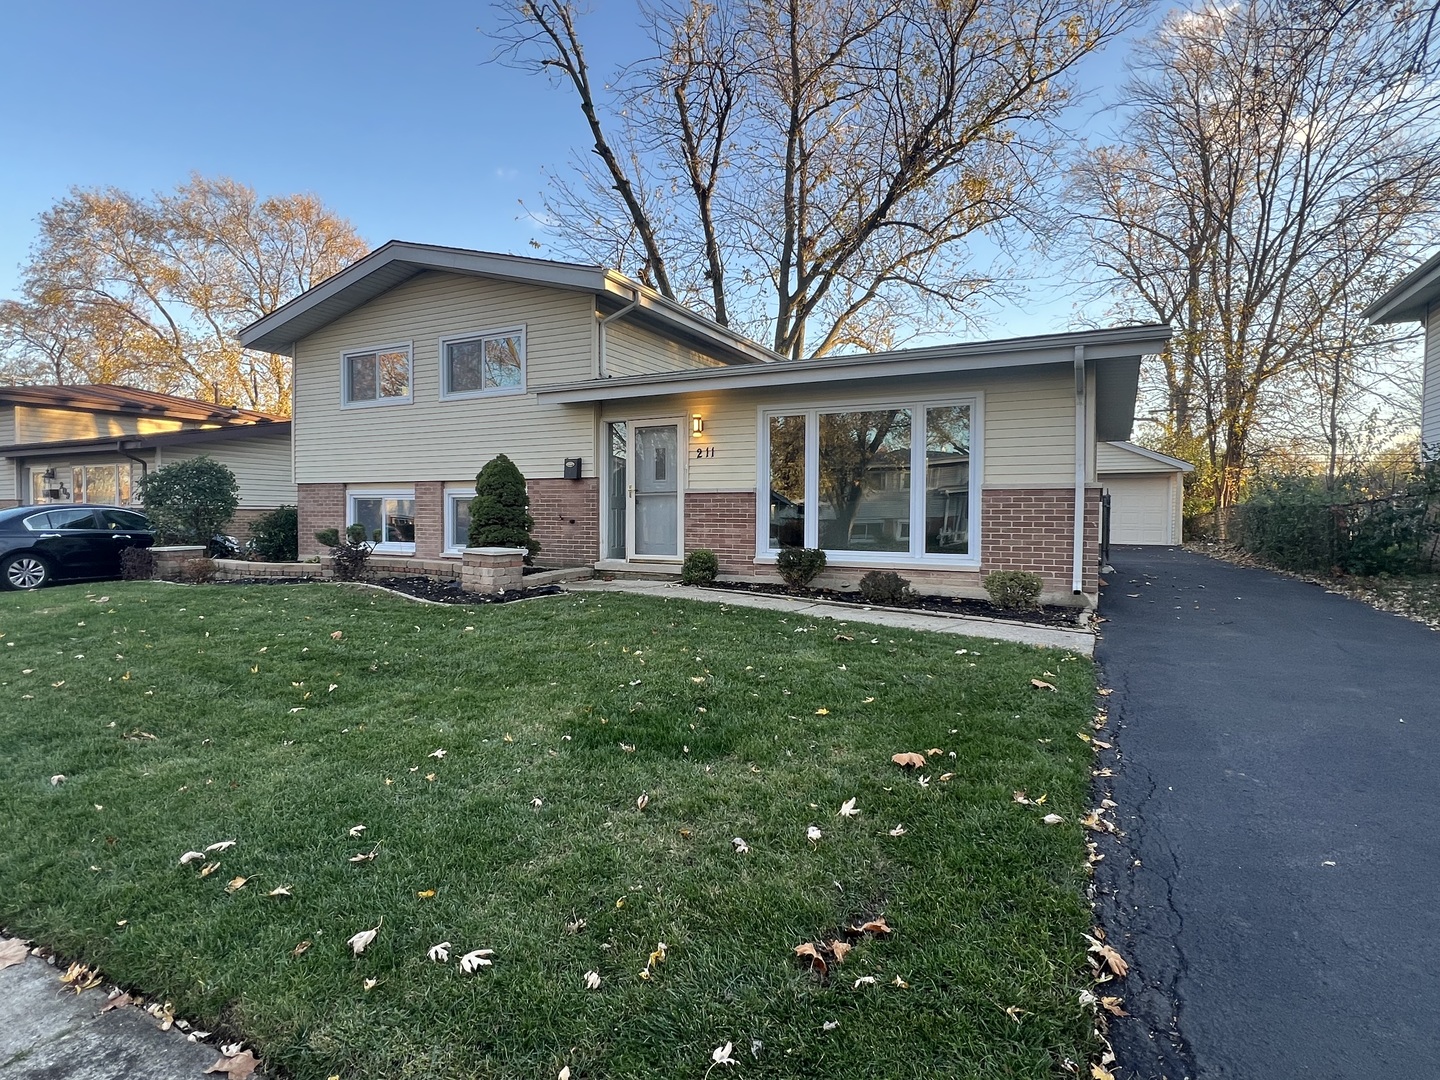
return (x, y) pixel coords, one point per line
(499, 515)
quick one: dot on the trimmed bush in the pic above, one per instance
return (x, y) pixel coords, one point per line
(499, 513)
(190, 501)
(275, 535)
(701, 567)
(328, 537)
(1014, 590)
(884, 587)
(350, 559)
(800, 566)
(197, 571)
(137, 564)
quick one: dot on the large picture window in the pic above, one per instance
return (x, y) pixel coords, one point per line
(388, 518)
(377, 376)
(892, 482)
(491, 363)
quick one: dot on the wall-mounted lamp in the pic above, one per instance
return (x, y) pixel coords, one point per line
(697, 424)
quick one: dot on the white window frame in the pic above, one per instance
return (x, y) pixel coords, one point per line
(382, 548)
(380, 402)
(447, 394)
(916, 556)
(450, 496)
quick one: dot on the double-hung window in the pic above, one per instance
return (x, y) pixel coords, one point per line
(487, 363)
(388, 518)
(379, 376)
(872, 484)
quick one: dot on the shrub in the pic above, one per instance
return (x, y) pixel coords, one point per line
(499, 515)
(350, 559)
(328, 537)
(275, 535)
(190, 501)
(197, 571)
(799, 566)
(1015, 590)
(884, 587)
(700, 567)
(137, 564)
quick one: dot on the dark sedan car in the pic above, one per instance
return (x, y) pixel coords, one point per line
(66, 542)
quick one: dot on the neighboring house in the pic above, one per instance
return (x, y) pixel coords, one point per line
(1417, 299)
(1147, 493)
(646, 431)
(93, 443)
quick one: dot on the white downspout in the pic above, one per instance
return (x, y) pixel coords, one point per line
(1078, 563)
(600, 358)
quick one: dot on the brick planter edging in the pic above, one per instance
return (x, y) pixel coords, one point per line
(492, 569)
(170, 560)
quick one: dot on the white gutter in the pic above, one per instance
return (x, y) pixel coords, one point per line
(1077, 572)
(606, 321)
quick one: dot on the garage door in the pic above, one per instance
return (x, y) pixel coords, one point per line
(1140, 510)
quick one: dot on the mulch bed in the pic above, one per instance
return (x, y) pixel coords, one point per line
(422, 588)
(1049, 615)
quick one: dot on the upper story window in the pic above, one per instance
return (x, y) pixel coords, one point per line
(377, 376)
(490, 363)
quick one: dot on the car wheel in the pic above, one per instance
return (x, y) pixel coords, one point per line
(24, 571)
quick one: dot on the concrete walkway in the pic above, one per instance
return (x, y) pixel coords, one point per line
(47, 1032)
(1275, 892)
(1081, 642)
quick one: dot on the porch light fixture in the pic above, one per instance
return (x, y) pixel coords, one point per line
(697, 424)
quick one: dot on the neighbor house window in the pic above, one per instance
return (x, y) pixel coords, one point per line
(457, 519)
(377, 376)
(388, 518)
(846, 480)
(87, 483)
(492, 363)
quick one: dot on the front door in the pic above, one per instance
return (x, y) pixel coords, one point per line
(654, 491)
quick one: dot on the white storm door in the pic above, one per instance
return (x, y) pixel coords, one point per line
(655, 464)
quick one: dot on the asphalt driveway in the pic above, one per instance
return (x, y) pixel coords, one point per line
(1277, 891)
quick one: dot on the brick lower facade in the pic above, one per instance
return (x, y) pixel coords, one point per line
(1033, 528)
(724, 522)
(321, 506)
(567, 520)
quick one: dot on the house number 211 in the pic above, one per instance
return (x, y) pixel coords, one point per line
(704, 451)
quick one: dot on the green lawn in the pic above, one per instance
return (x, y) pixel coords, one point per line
(281, 717)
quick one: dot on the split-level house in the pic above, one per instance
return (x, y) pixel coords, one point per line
(1416, 298)
(645, 430)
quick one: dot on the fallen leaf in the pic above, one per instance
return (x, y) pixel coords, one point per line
(592, 980)
(235, 884)
(946, 777)
(563, 1074)
(830, 1025)
(337, 635)
(841, 949)
(13, 951)
(80, 978)
(425, 894)
(873, 926)
(474, 961)
(370, 984)
(365, 856)
(439, 953)
(282, 890)
(848, 809)
(822, 712)
(300, 948)
(356, 830)
(899, 982)
(57, 779)
(191, 856)
(1113, 960)
(1041, 684)
(536, 802)
(223, 845)
(361, 941)
(807, 951)
(437, 754)
(721, 1056)
(1113, 1006)
(924, 781)
(119, 1001)
(1105, 691)
(237, 1067)
(898, 830)
(934, 751)
(863, 980)
(908, 761)
(642, 802)
(209, 868)
(741, 848)
(1053, 819)
(1014, 1012)
(813, 834)
(1021, 798)
(1099, 1072)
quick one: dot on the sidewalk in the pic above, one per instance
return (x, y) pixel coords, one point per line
(48, 1032)
(1081, 642)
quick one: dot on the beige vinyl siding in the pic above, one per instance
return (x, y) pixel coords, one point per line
(633, 350)
(1027, 418)
(7, 466)
(261, 467)
(1430, 399)
(429, 438)
(61, 425)
(1116, 459)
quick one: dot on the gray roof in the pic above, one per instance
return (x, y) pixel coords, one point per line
(398, 261)
(1408, 299)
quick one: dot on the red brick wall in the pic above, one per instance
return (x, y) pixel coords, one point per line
(322, 506)
(1032, 529)
(429, 518)
(724, 522)
(567, 520)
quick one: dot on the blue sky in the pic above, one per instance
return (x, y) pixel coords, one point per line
(387, 111)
